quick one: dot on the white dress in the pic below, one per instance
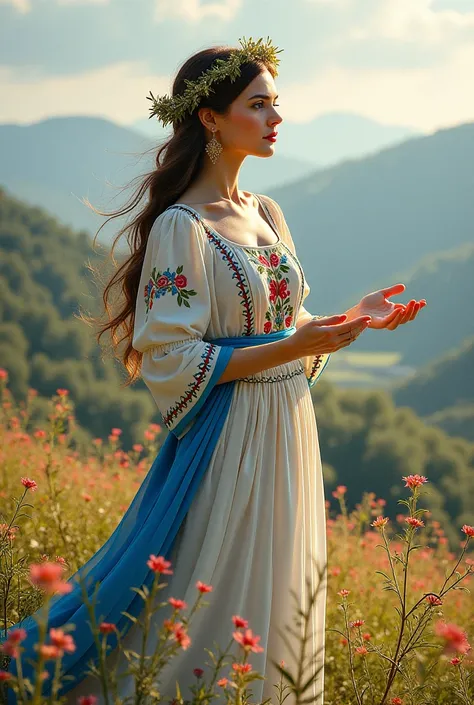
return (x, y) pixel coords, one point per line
(256, 526)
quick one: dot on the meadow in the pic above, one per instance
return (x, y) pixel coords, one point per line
(399, 617)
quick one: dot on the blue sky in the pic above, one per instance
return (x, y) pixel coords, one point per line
(397, 61)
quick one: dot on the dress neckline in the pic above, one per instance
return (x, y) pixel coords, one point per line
(232, 242)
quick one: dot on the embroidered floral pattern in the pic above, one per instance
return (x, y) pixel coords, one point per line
(160, 283)
(273, 266)
(238, 273)
(194, 387)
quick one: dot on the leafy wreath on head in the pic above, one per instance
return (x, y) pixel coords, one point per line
(173, 109)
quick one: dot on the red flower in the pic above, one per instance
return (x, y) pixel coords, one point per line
(413, 521)
(4, 676)
(274, 259)
(106, 628)
(162, 282)
(180, 281)
(267, 327)
(273, 289)
(263, 260)
(198, 672)
(283, 292)
(468, 530)
(288, 321)
(87, 700)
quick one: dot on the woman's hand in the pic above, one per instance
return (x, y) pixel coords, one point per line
(384, 313)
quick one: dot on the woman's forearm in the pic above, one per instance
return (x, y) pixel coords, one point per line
(247, 361)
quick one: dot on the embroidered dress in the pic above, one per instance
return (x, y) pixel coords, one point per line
(252, 521)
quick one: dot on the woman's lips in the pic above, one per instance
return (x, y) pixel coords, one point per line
(272, 138)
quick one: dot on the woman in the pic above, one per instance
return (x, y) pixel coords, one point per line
(214, 322)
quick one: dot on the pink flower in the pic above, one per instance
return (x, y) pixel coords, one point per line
(63, 641)
(413, 521)
(343, 592)
(181, 636)
(116, 432)
(62, 392)
(47, 576)
(413, 481)
(222, 682)
(239, 621)
(3, 373)
(248, 641)
(357, 623)
(396, 701)
(29, 484)
(380, 521)
(159, 565)
(17, 635)
(455, 661)
(455, 638)
(468, 530)
(50, 652)
(180, 281)
(202, 587)
(177, 604)
(361, 650)
(433, 600)
(242, 667)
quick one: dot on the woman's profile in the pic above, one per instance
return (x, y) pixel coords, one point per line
(213, 319)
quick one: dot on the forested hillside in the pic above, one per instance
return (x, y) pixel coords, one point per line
(366, 442)
(43, 282)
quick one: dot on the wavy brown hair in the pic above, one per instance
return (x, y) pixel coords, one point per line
(179, 161)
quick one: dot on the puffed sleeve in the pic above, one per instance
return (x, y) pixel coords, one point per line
(314, 364)
(172, 315)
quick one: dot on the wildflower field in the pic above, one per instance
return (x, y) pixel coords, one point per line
(400, 614)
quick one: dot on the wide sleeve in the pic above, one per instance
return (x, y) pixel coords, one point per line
(314, 364)
(172, 315)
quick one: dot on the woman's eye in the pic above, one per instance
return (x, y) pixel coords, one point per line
(276, 105)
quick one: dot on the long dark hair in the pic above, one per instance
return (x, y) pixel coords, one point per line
(179, 161)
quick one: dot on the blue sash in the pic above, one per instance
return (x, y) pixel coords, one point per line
(149, 526)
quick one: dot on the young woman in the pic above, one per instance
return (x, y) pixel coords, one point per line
(214, 322)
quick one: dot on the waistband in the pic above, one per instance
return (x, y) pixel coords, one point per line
(245, 341)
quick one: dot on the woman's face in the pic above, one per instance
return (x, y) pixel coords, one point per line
(250, 118)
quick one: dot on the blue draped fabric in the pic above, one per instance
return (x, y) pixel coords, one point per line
(149, 526)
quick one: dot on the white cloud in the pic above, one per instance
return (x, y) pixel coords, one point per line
(22, 6)
(194, 11)
(426, 98)
(117, 92)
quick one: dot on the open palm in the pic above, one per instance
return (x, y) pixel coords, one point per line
(385, 313)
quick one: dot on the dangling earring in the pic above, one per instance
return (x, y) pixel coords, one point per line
(214, 148)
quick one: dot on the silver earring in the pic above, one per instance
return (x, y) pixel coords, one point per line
(214, 148)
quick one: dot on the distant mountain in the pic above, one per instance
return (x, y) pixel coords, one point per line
(356, 224)
(57, 162)
(446, 280)
(443, 391)
(326, 140)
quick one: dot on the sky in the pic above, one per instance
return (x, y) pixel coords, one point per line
(405, 62)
